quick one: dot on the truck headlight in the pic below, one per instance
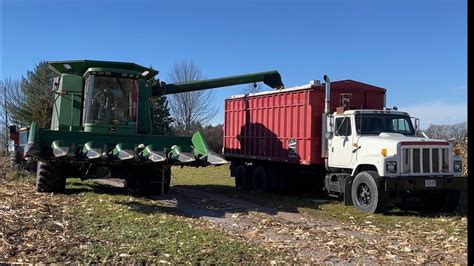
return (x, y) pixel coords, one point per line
(391, 167)
(457, 166)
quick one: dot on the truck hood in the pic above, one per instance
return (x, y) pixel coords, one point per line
(389, 141)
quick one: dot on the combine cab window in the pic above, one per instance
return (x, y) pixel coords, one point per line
(367, 124)
(110, 101)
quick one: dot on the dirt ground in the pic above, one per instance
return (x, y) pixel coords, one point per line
(38, 225)
(308, 238)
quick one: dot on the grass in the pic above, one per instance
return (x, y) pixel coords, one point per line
(130, 228)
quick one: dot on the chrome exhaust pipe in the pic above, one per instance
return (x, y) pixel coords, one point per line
(327, 106)
(327, 99)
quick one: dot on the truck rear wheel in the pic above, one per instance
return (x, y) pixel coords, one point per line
(49, 178)
(368, 193)
(242, 181)
(260, 180)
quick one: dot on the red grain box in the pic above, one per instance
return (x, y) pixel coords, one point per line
(285, 125)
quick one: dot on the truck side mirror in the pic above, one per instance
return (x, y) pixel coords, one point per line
(329, 135)
(330, 127)
(417, 125)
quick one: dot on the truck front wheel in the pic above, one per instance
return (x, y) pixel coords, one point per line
(367, 192)
(49, 178)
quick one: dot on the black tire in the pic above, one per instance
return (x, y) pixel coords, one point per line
(153, 180)
(452, 200)
(49, 178)
(260, 180)
(368, 194)
(241, 178)
(443, 201)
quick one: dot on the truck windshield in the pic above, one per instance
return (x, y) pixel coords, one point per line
(367, 124)
(110, 101)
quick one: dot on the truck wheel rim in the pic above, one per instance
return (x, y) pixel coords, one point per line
(363, 194)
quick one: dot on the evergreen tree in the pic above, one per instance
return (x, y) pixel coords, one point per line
(160, 114)
(37, 104)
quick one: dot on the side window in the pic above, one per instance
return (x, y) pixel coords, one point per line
(343, 126)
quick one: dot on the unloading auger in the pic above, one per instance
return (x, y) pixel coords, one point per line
(102, 126)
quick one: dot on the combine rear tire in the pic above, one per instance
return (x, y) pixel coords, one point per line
(368, 193)
(49, 178)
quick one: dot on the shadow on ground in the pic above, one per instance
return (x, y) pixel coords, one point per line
(218, 200)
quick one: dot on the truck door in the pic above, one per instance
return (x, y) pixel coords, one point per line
(340, 146)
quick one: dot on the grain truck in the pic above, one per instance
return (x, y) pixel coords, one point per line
(342, 138)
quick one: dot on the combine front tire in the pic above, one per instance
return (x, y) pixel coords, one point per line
(154, 180)
(49, 178)
(368, 193)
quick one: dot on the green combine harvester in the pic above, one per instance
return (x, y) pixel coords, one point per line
(102, 127)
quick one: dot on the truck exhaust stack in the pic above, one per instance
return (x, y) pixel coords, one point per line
(327, 99)
(327, 103)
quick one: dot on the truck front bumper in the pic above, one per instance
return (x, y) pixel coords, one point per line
(413, 183)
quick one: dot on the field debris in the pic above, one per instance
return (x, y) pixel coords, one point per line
(113, 226)
(322, 241)
(35, 227)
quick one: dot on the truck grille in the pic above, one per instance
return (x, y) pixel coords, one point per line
(424, 160)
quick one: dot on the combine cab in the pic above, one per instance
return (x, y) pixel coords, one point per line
(101, 127)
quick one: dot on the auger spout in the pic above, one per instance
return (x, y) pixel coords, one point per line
(270, 78)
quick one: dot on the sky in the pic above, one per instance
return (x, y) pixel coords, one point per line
(416, 49)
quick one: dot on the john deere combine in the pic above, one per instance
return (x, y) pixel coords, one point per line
(102, 127)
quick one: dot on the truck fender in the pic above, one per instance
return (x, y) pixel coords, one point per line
(347, 191)
(364, 167)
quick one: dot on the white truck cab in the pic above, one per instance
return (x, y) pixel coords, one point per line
(374, 156)
(387, 140)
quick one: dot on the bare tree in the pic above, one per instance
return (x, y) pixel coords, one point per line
(190, 108)
(12, 92)
(456, 133)
(252, 88)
